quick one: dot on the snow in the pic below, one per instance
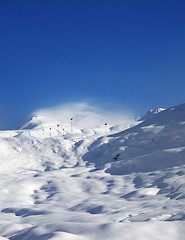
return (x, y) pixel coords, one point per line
(150, 113)
(122, 183)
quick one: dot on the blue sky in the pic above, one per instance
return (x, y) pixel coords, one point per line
(111, 53)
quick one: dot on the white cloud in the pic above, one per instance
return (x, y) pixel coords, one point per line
(85, 115)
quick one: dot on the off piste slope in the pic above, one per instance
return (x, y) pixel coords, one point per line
(60, 181)
(156, 143)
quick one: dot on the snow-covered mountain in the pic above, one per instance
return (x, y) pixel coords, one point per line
(61, 181)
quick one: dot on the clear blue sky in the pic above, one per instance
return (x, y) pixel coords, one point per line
(117, 53)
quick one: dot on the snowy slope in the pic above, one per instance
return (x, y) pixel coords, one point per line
(156, 143)
(95, 183)
(150, 113)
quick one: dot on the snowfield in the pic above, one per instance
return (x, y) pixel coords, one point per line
(104, 182)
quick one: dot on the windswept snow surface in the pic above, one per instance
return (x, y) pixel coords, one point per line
(96, 183)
